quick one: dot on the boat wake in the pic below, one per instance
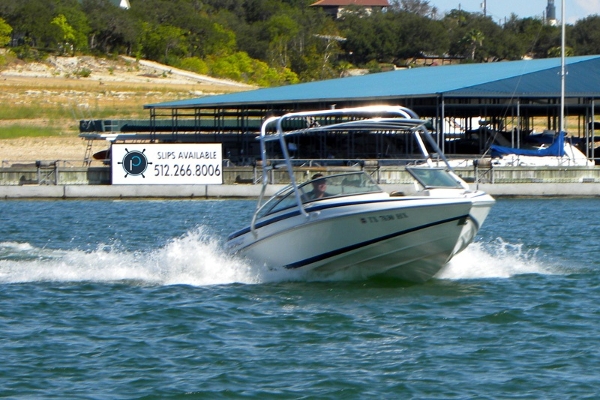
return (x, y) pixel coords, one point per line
(498, 259)
(194, 259)
(198, 259)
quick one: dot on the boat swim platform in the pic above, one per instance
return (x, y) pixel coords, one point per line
(59, 180)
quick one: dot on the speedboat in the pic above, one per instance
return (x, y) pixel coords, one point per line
(345, 221)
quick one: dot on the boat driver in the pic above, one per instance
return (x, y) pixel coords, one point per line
(319, 184)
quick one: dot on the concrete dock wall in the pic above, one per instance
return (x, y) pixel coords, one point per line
(253, 191)
(55, 182)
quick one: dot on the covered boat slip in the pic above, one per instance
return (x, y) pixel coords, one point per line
(470, 107)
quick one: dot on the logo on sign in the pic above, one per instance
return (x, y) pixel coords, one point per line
(135, 163)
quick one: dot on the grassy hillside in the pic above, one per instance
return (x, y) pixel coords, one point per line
(49, 99)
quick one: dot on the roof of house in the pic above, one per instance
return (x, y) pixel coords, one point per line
(511, 79)
(341, 3)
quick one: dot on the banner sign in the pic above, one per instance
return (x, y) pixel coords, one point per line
(167, 164)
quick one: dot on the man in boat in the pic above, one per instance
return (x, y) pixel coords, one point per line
(319, 184)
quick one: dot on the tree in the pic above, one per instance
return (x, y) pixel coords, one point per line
(289, 37)
(78, 21)
(368, 37)
(281, 29)
(491, 46)
(194, 64)
(417, 35)
(218, 40)
(523, 37)
(557, 51)
(67, 33)
(474, 38)
(160, 42)
(585, 36)
(418, 7)
(110, 26)
(241, 67)
(5, 31)
(32, 20)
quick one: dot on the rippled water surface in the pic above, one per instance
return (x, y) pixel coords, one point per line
(136, 299)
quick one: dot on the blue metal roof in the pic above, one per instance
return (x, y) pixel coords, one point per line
(527, 78)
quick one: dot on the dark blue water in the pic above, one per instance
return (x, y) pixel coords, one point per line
(136, 299)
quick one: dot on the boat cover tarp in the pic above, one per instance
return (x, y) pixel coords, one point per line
(556, 149)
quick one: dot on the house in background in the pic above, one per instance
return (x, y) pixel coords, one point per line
(336, 8)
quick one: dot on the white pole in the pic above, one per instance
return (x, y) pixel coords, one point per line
(562, 70)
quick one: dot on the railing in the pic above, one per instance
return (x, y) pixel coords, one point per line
(54, 172)
(70, 172)
(39, 163)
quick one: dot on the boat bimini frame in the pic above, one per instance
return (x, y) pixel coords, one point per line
(380, 118)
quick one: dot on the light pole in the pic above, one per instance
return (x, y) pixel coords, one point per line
(562, 69)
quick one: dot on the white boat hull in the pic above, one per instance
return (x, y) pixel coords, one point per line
(407, 238)
(345, 222)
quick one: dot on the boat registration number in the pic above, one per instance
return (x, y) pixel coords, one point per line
(383, 218)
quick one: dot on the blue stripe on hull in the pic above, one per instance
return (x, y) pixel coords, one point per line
(313, 208)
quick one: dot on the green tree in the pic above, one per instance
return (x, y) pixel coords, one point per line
(393, 36)
(416, 35)
(474, 39)
(550, 37)
(67, 33)
(316, 43)
(32, 19)
(473, 36)
(77, 19)
(282, 28)
(368, 37)
(5, 31)
(218, 40)
(524, 33)
(289, 37)
(194, 64)
(111, 28)
(557, 51)
(241, 67)
(417, 7)
(163, 41)
(585, 35)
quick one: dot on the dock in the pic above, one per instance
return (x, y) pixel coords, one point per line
(44, 180)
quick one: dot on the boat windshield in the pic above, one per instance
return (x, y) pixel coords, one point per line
(322, 187)
(434, 178)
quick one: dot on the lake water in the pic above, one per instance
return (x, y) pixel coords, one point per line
(136, 299)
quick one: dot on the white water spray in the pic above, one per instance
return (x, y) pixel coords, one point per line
(498, 259)
(198, 259)
(194, 259)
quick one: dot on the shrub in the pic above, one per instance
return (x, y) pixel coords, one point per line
(194, 64)
(83, 72)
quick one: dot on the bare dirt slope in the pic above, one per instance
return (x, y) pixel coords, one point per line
(123, 69)
(123, 82)
(26, 150)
